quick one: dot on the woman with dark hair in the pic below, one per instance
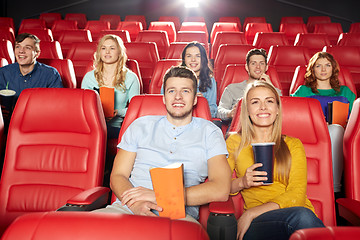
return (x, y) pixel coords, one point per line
(111, 71)
(277, 210)
(322, 83)
(194, 56)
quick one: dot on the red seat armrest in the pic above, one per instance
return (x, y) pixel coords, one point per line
(89, 196)
(350, 210)
(222, 207)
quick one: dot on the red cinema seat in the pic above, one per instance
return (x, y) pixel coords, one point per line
(253, 20)
(231, 19)
(146, 54)
(174, 19)
(229, 54)
(333, 30)
(169, 27)
(132, 27)
(50, 18)
(160, 69)
(252, 28)
(7, 33)
(93, 226)
(315, 42)
(7, 22)
(42, 34)
(123, 34)
(80, 18)
(349, 207)
(236, 73)
(298, 79)
(292, 19)
(60, 25)
(354, 27)
(190, 36)
(313, 132)
(291, 30)
(50, 50)
(265, 40)
(334, 233)
(349, 39)
(285, 59)
(31, 24)
(195, 26)
(137, 18)
(66, 70)
(349, 57)
(68, 37)
(157, 36)
(312, 20)
(7, 51)
(95, 27)
(226, 38)
(3, 62)
(81, 54)
(223, 27)
(175, 50)
(53, 153)
(112, 19)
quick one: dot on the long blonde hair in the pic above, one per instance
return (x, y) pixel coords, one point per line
(281, 150)
(121, 69)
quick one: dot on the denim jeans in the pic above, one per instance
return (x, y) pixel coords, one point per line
(281, 223)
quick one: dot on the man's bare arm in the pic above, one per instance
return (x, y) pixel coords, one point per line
(217, 188)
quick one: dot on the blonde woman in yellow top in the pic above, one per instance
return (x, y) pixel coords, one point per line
(272, 211)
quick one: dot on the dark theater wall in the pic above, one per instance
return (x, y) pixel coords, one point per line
(339, 11)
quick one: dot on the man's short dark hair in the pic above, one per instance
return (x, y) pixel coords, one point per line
(180, 72)
(256, 51)
(22, 36)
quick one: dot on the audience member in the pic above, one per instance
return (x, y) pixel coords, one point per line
(111, 71)
(321, 79)
(272, 211)
(157, 141)
(256, 66)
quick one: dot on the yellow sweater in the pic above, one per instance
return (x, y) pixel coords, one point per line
(291, 195)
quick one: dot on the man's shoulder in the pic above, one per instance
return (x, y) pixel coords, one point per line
(149, 119)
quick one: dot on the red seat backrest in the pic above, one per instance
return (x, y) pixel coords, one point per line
(174, 19)
(285, 59)
(137, 18)
(349, 39)
(123, 34)
(335, 233)
(312, 130)
(32, 24)
(231, 19)
(253, 20)
(42, 34)
(132, 27)
(50, 18)
(315, 42)
(352, 154)
(81, 54)
(91, 226)
(51, 50)
(194, 19)
(175, 50)
(222, 27)
(229, 54)
(292, 19)
(7, 33)
(169, 27)
(312, 20)
(146, 54)
(113, 19)
(252, 28)
(7, 51)
(226, 38)
(354, 27)
(52, 153)
(265, 40)
(291, 30)
(298, 79)
(7, 22)
(160, 69)
(80, 18)
(68, 37)
(190, 36)
(157, 36)
(96, 26)
(333, 30)
(66, 70)
(3, 62)
(60, 25)
(195, 26)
